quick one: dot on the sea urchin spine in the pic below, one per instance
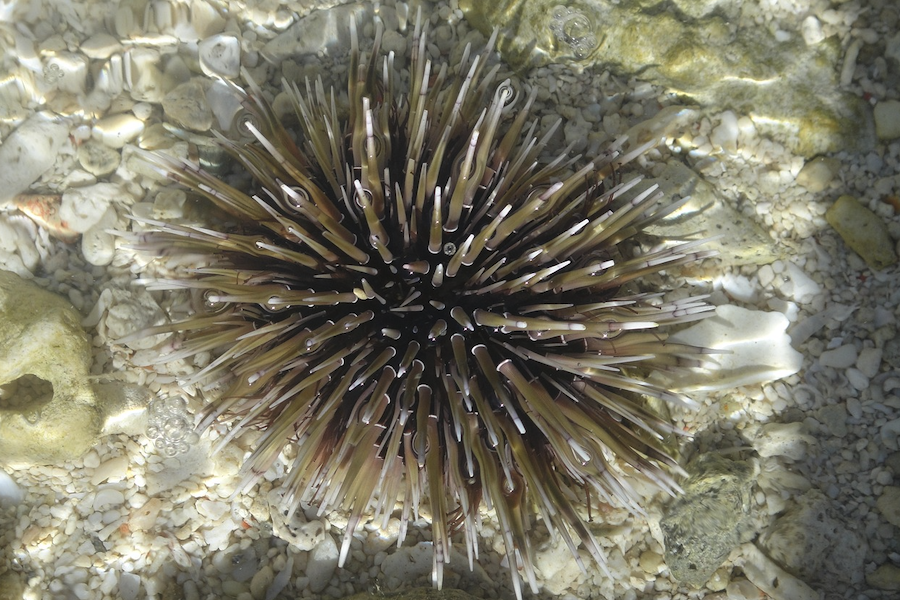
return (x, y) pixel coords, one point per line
(428, 312)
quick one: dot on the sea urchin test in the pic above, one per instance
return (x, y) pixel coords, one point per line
(431, 315)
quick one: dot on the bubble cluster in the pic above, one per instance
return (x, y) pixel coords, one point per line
(573, 28)
(171, 426)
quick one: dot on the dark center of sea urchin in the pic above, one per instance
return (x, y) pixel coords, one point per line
(429, 313)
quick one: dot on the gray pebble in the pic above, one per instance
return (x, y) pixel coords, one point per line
(98, 159)
(186, 105)
(839, 358)
(834, 418)
(869, 361)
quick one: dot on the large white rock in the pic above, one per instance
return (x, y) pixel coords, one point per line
(754, 348)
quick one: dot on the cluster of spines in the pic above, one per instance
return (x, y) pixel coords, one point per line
(428, 313)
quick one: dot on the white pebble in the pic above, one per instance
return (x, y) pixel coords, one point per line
(217, 537)
(129, 586)
(117, 130)
(854, 407)
(261, 581)
(322, 561)
(98, 245)
(109, 582)
(782, 439)
(811, 29)
(804, 288)
(91, 460)
(282, 579)
(839, 358)
(100, 46)
(725, 135)
(887, 119)
(890, 431)
(114, 468)
(211, 509)
(145, 517)
(849, 65)
(10, 493)
(818, 173)
(765, 275)
(107, 497)
(220, 56)
(27, 153)
(857, 379)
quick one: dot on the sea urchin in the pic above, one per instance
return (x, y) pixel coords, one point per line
(428, 312)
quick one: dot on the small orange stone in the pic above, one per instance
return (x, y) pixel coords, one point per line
(43, 209)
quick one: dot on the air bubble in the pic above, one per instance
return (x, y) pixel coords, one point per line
(449, 248)
(574, 29)
(170, 426)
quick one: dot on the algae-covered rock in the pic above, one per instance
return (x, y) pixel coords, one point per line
(711, 518)
(49, 410)
(42, 342)
(789, 88)
(863, 231)
(812, 541)
(739, 239)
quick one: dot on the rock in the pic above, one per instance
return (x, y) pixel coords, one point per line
(885, 577)
(98, 245)
(55, 414)
(83, 207)
(319, 31)
(100, 46)
(12, 586)
(790, 86)
(27, 153)
(42, 337)
(839, 358)
(887, 119)
(892, 48)
(293, 527)
(558, 571)
(812, 542)
(117, 130)
(113, 469)
(869, 361)
(890, 434)
(10, 493)
(107, 497)
(742, 241)
(418, 594)
(261, 582)
(323, 560)
(702, 526)
(818, 173)
(144, 518)
(186, 105)
(834, 418)
(407, 564)
(863, 231)
(67, 72)
(757, 350)
(889, 505)
(772, 579)
(129, 586)
(782, 439)
(220, 56)
(97, 158)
